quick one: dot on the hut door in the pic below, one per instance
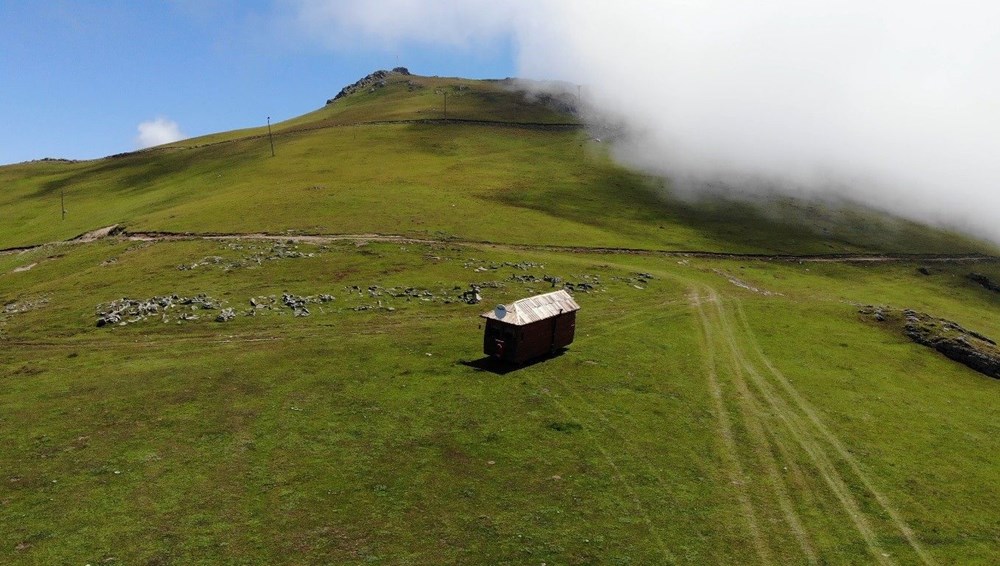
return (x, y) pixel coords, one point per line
(555, 329)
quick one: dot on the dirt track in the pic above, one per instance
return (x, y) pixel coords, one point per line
(774, 413)
(118, 232)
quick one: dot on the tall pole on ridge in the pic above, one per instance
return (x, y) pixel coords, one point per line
(269, 136)
(62, 202)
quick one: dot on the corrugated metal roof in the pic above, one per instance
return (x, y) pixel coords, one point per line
(536, 308)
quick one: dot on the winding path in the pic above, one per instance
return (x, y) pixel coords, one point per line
(116, 231)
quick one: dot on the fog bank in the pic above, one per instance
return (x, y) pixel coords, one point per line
(894, 104)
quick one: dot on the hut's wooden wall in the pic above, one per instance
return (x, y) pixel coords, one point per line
(523, 343)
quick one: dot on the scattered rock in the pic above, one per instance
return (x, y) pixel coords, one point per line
(589, 283)
(24, 305)
(293, 301)
(480, 266)
(636, 280)
(226, 315)
(110, 318)
(211, 260)
(472, 296)
(297, 303)
(129, 311)
(257, 256)
(579, 287)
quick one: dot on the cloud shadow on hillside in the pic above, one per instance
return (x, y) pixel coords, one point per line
(142, 169)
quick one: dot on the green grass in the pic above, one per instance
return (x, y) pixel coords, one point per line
(724, 412)
(353, 437)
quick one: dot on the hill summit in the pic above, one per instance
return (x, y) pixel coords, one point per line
(370, 82)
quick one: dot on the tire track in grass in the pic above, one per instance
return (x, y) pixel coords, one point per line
(779, 486)
(762, 450)
(828, 472)
(623, 321)
(603, 417)
(834, 441)
(620, 476)
(634, 452)
(799, 431)
(735, 467)
(752, 411)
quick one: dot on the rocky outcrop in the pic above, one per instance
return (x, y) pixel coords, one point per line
(371, 83)
(949, 338)
(985, 281)
(965, 346)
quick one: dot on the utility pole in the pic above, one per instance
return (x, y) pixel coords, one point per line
(269, 136)
(62, 202)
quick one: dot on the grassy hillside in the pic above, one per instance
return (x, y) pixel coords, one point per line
(719, 410)
(338, 172)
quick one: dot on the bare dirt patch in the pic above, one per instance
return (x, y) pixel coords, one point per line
(745, 285)
(24, 268)
(97, 234)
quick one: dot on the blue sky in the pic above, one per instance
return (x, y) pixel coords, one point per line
(80, 76)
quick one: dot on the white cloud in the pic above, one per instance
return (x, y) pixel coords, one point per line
(157, 132)
(458, 23)
(891, 102)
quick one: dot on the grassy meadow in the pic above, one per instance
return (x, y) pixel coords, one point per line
(710, 410)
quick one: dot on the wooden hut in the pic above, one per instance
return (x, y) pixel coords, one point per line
(530, 327)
